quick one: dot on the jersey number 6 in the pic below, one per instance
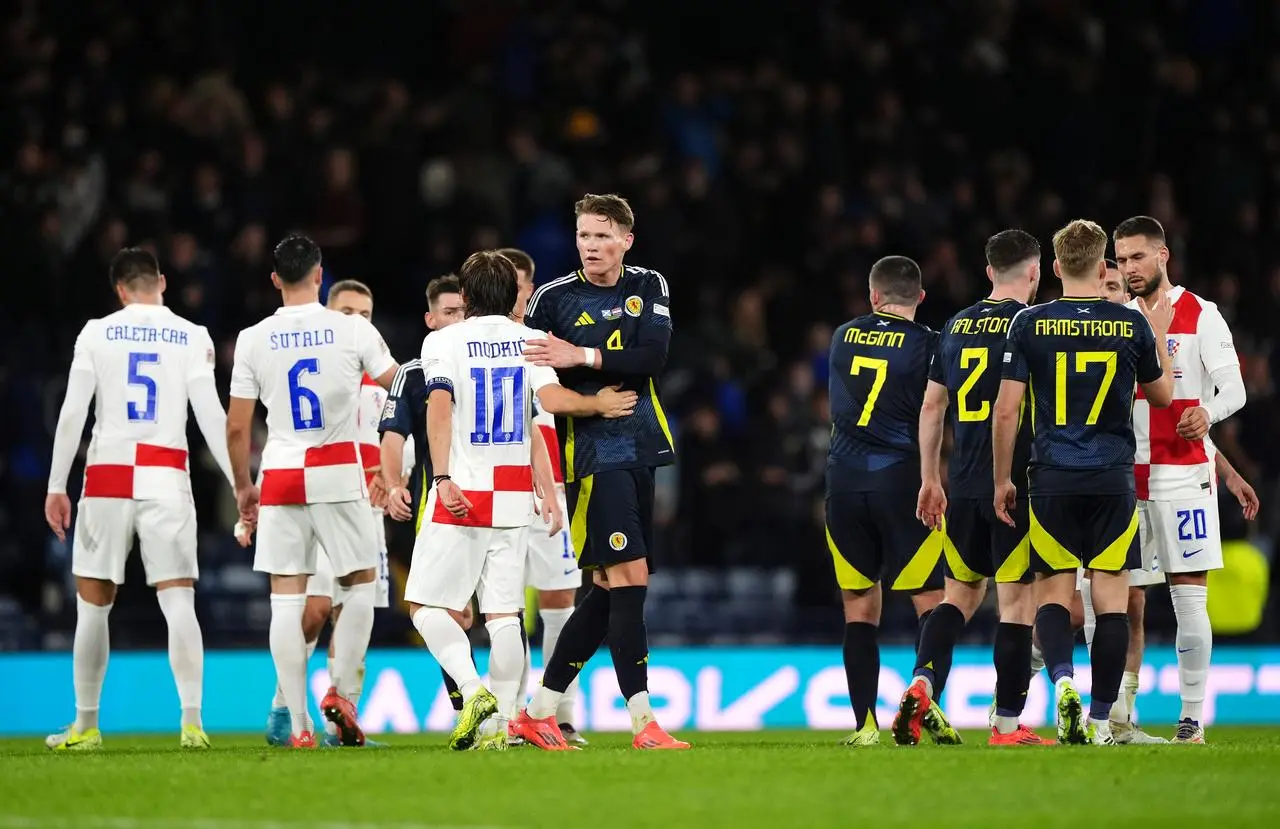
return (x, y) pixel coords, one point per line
(312, 418)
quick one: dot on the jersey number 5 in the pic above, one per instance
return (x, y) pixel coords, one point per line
(310, 418)
(146, 414)
(507, 386)
(1083, 359)
(881, 367)
(977, 357)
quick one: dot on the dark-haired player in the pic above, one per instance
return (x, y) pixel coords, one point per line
(305, 362)
(143, 364)
(879, 369)
(607, 324)
(965, 378)
(1081, 358)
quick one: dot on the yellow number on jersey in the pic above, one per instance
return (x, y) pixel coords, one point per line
(881, 368)
(1083, 360)
(967, 413)
(614, 343)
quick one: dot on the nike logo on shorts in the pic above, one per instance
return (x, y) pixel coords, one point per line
(1185, 554)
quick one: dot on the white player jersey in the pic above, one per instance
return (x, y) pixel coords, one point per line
(368, 413)
(1167, 466)
(480, 362)
(305, 363)
(546, 423)
(143, 358)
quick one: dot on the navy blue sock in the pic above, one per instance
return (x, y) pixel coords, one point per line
(938, 636)
(1053, 625)
(1110, 644)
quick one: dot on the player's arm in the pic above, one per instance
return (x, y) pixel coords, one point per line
(81, 382)
(609, 402)
(544, 483)
(1237, 486)
(375, 357)
(1219, 360)
(441, 373)
(1014, 376)
(211, 418)
(648, 356)
(394, 427)
(932, 502)
(1155, 366)
(240, 406)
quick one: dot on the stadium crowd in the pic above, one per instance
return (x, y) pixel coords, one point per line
(768, 169)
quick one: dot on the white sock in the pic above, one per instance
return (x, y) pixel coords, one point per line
(1119, 710)
(278, 700)
(1194, 642)
(90, 651)
(522, 691)
(186, 649)
(1006, 725)
(1129, 693)
(357, 687)
(1037, 659)
(553, 622)
(449, 645)
(506, 661)
(351, 637)
(641, 712)
(289, 653)
(923, 680)
(1090, 618)
(544, 704)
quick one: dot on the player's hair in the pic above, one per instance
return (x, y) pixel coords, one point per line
(354, 285)
(1079, 246)
(488, 282)
(1111, 264)
(447, 284)
(522, 260)
(295, 258)
(898, 280)
(1140, 226)
(611, 206)
(134, 267)
(1010, 248)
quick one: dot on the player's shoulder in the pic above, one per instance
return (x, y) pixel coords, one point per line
(556, 287)
(646, 277)
(1203, 307)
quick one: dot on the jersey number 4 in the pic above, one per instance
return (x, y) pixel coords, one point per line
(146, 413)
(500, 406)
(1083, 359)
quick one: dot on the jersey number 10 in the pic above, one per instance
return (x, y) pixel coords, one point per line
(499, 398)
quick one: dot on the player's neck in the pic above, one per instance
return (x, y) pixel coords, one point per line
(904, 311)
(1079, 288)
(305, 296)
(144, 299)
(1001, 294)
(607, 280)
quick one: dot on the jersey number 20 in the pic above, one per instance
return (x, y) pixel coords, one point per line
(499, 399)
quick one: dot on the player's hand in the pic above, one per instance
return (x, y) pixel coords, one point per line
(1245, 495)
(377, 492)
(57, 512)
(1005, 500)
(453, 499)
(399, 504)
(1194, 423)
(931, 505)
(1159, 314)
(614, 402)
(553, 352)
(247, 502)
(243, 533)
(551, 515)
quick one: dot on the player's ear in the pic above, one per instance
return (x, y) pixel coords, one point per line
(628, 241)
(875, 298)
(921, 299)
(1057, 269)
(426, 318)
(161, 284)
(1163, 254)
(275, 281)
(1102, 271)
(991, 274)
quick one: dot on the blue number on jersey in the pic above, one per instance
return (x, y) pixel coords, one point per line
(506, 398)
(147, 413)
(313, 418)
(1199, 526)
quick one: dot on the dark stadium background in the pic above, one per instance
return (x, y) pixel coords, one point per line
(771, 151)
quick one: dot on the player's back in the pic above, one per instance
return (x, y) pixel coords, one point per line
(970, 353)
(879, 369)
(481, 361)
(142, 358)
(306, 363)
(1083, 358)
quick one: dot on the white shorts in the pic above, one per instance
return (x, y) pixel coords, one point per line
(1180, 536)
(551, 564)
(104, 532)
(451, 563)
(1137, 578)
(323, 582)
(290, 538)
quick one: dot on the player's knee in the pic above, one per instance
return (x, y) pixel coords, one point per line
(633, 573)
(556, 599)
(862, 605)
(100, 592)
(926, 601)
(314, 615)
(1137, 605)
(168, 583)
(965, 596)
(1016, 605)
(358, 577)
(1200, 579)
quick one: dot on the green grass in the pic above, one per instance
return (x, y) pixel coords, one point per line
(774, 779)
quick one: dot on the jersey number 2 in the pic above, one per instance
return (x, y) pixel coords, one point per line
(310, 418)
(507, 386)
(147, 413)
(967, 413)
(881, 368)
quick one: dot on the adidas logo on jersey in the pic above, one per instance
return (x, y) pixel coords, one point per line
(584, 319)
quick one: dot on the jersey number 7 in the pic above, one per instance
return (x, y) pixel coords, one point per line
(137, 360)
(881, 367)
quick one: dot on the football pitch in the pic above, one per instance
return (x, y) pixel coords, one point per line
(772, 778)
